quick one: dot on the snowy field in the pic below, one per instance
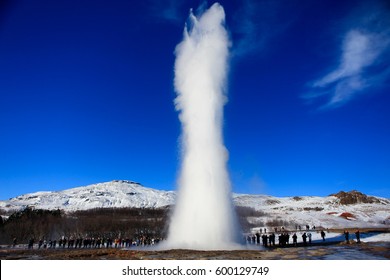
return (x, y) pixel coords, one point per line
(364, 237)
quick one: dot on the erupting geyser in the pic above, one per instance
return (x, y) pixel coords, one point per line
(204, 217)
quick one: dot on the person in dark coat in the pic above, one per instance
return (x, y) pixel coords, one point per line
(309, 236)
(265, 240)
(257, 238)
(346, 235)
(357, 234)
(323, 235)
(272, 239)
(31, 243)
(295, 238)
(304, 237)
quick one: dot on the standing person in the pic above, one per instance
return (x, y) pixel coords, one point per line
(357, 234)
(323, 235)
(295, 238)
(304, 237)
(273, 239)
(309, 236)
(346, 235)
(265, 240)
(31, 243)
(258, 238)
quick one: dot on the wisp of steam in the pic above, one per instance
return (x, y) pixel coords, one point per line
(204, 217)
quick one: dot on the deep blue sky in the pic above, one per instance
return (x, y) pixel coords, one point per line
(86, 95)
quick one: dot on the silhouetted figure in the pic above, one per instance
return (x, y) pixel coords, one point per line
(309, 236)
(70, 242)
(346, 235)
(265, 240)
(14, 242)
(304, 237)
(323, 235)
(272, 239)
(295, 238)
(357, 234)
(31, 243)
(258, 238)
(98, 242)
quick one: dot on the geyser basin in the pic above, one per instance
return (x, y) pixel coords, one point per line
(204, 217)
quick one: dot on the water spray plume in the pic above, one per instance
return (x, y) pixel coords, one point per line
(204, 216)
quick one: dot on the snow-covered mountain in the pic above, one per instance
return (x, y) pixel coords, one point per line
(328, 212)
(118, 193)
(351, 209)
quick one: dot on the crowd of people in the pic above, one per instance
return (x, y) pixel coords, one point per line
(91, 242)
(299, 236)
(282, 236)
(261, 237)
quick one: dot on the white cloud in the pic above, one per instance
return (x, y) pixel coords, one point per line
(362, 65)
(358, 52)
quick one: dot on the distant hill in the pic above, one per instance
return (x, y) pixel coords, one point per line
(114, 194)
(344, 209)
(355, 197)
